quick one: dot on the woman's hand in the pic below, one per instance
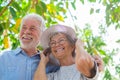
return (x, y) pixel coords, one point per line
(99, 62)
(83, 60)
(44, 59)
(40, 73)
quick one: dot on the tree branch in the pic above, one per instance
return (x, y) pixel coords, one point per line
(5, 8)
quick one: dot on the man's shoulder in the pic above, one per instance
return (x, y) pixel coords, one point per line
(8, 51)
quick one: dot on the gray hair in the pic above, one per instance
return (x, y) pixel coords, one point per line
(36, 17)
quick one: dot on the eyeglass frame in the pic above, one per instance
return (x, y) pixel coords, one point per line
(60, 41)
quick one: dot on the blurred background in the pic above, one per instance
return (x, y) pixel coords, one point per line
(96, 22)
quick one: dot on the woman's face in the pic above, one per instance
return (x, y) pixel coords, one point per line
(60, 46)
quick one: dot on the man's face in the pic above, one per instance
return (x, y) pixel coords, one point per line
(30, 33)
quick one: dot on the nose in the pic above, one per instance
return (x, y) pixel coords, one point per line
(27, 31)
(57, 44)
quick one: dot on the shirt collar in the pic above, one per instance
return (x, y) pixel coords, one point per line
(17, 51)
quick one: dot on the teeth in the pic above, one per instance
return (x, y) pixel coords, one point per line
(59, 50)
(26, 37)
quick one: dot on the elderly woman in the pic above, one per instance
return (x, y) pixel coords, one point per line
(75, 62)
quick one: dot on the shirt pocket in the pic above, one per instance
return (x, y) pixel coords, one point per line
(11, 69)
(12, 73)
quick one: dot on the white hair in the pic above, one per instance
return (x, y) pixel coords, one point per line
(36, 17)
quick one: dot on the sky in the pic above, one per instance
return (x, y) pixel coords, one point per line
(82, 13)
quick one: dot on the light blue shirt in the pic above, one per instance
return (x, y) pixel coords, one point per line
(17, 65)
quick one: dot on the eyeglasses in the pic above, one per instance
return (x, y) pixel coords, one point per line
(60, 41)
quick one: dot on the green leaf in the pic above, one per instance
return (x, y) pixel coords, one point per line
(1, 8)
(98, 10)
(1, 29)
(87, 32)
(60, 4)
(41, 8)
(48, 19)
(16, 6)
(15, 42)
(118, 41)
(118, 68)
(1, 41)
(54, 22)
(25, 7)
(38, 10)
(82, 1)
(59, 7)
(91, 11)
(92, 0)
(107, 75)
(73, 5)
(66, 4)
(1, 2)
(12, 11)
(102, 52)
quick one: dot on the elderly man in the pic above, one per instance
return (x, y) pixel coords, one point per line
(21, 63)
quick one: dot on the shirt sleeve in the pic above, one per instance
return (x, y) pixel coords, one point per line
(51, 68)
(51, 76)
(2, 67)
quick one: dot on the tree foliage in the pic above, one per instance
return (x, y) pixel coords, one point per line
(53, 11)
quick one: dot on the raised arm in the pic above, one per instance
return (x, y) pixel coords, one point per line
(84, 61)
(40, 73)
